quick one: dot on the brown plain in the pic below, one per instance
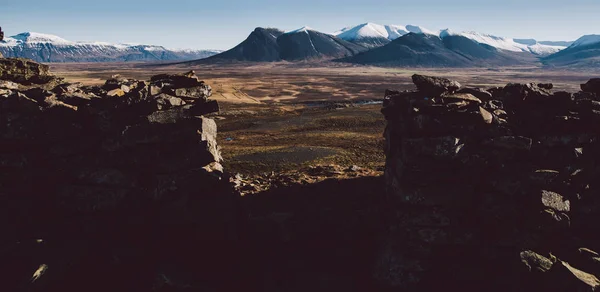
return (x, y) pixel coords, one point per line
(270, 117)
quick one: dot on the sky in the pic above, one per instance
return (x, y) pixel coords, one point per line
(221, 24)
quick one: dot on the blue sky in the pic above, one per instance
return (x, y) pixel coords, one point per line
(221, 24)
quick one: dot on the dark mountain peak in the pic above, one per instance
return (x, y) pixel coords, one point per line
(306, 43)
(260, 46)
(271, 45)
(268, 31)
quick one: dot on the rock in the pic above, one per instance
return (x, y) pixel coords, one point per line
(198, 92)
(547, 86)
(592, 86)
(111, 170)
(5, 84)
(176, 81)
(511, 143)
(67, 88)
(434, 86)
(461, 97)
(77, 98)
(544, 176)
(19, 103)
(199, 109)
(24, 71)
(125, 88)
(536, 262)
(39, 94)
(164, 101)
(515, 93)
(580, 280)
(116, 93)
(170, 116)
(154, 90)
(555, 201)
(504, 185)
(439, 147)
(487, 116)
(477, 92)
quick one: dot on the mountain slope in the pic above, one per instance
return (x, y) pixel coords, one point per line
(584, 52)
(260, 46)
(272, 45)
(305, 44)
(507, 44)
(425, 50)
(50, 48)
(372, 35)
(412, 50)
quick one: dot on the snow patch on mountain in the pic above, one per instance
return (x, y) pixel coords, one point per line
(50, 48)
(373, 30)
(506, 44)
(544, 50)
(420, 29)
(494, 41)
(302, 29)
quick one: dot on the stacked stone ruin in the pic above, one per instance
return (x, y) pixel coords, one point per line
(492, 190)
(112, 178)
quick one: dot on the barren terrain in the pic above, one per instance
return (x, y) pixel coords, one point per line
(282, 117)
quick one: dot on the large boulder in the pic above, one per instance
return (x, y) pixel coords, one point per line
(592, 86)
(24, 71)
(434, 86)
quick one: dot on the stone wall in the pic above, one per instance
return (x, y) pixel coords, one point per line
(491, 189)
(112, 188)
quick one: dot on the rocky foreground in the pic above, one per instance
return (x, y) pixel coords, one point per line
(120, 188)
(114, 168)
(496, 189)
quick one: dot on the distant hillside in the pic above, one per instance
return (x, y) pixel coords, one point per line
(272, 45)
(584, 52)
(49, 48)
(424, 50)
(260, 46)
(306, 44)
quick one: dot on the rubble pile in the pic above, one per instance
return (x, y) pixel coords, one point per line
(491, 189)
(111, 188)
(262, 182)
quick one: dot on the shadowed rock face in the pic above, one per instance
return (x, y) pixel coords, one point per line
(496, 193)
(309, 44)
(587, 56)
(120, 182)
(24, 71)
(260, 46)
(272, 45)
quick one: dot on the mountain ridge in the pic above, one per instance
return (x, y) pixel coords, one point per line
(49, 48)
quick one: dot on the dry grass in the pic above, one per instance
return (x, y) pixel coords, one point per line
(265, 125)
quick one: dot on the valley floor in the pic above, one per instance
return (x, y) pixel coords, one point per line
(273, 117)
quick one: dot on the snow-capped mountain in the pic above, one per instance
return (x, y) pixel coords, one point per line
(374, 35)
(584, 52)
(272, 45)
(428, 50)
(506, 44)
(306, 43)
(50, 48)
